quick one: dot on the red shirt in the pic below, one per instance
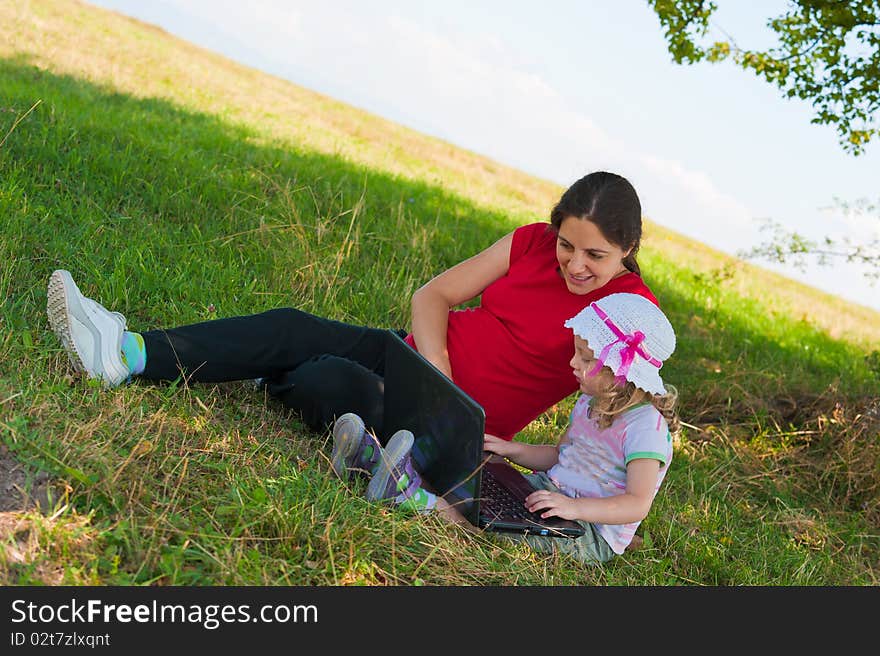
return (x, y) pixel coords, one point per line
(511, 353)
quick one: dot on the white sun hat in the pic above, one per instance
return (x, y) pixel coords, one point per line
(628, 334)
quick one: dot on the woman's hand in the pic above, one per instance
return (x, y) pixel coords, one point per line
(552, 504)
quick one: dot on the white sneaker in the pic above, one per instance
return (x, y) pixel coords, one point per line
(91, 334)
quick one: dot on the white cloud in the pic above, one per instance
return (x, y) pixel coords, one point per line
(468, 89)
(704, 212)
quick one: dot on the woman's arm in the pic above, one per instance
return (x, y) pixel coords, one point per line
(431, 302)
(631, 506)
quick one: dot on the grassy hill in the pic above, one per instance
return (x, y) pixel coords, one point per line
(177, 186)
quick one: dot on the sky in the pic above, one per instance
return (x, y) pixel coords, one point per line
(564, 87)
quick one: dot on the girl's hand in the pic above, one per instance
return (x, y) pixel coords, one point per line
(503, 448)
(531, 456)
(552, 504)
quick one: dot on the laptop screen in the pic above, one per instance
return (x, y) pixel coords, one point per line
(447, 424)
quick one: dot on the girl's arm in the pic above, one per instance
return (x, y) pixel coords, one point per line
(539, 457)
(431, 302)
(631, 506)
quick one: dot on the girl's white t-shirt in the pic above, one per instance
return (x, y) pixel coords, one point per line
(593, 462)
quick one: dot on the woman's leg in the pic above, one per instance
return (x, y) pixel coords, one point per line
(320, 367)
(265, 345)
(326, 387)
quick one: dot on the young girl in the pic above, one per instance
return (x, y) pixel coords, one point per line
(510, 353)
(611, 460)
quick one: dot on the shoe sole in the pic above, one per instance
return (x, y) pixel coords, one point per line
(344, 449)
(63, 296)
(393, 454)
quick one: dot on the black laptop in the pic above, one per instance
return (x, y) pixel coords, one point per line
(448, 426)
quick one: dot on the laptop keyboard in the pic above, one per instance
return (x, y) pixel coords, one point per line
(498, 501)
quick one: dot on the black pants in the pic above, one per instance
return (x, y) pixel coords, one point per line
(319, 367)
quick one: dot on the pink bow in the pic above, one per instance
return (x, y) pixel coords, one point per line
(627, 353)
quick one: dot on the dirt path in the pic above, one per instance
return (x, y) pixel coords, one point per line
(21, 487)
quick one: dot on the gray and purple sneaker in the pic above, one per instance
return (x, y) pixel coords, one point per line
(396, 480)
(355, 449)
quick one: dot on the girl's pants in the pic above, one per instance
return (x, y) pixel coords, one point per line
(319, 367)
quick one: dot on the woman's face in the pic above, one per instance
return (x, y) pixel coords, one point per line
(582, 363)
(586, 259)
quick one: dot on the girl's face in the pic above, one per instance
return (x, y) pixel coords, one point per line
(586, 259)
(582, 364)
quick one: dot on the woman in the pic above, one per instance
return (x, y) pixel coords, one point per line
(510, 354)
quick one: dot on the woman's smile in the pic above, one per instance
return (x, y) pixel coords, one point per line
(582, 279)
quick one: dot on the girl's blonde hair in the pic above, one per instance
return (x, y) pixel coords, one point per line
(606, 406)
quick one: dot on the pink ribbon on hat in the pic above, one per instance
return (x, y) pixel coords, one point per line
(627, 353)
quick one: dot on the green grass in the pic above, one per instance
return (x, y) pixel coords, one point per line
(174, 214)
